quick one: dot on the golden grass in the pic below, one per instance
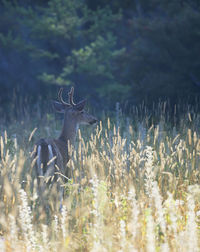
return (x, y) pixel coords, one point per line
(132, 189)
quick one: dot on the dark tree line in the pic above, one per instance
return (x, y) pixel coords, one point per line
(118, 51)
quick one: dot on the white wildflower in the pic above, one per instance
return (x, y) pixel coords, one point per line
(191, 227)
(149, 173)
(150, 234)
(63, 220)
(25, 217)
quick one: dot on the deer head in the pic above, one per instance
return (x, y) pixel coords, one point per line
(47, 149)
(73, 112)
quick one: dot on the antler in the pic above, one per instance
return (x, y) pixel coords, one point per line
(60, 97)
(71, 97)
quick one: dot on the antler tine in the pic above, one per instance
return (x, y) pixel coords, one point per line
(71, 97)
(60, 97)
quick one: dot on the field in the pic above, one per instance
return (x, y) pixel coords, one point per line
(134, 184)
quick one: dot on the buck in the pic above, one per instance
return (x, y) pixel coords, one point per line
(52, 154)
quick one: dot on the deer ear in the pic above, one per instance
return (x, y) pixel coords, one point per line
(59, 107)
(80, 106)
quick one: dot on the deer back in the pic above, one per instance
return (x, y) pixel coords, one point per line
(52, 156)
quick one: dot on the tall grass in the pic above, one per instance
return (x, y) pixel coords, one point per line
(134, 185)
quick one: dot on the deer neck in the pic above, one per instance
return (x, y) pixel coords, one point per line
(69, 130)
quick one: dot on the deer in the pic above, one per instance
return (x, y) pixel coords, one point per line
(53, 154)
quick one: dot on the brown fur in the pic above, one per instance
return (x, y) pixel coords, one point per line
(74, 114)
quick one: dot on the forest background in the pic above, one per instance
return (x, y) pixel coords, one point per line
(110, 51)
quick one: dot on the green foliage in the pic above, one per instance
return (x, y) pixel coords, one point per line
(118, 51)
(163, 59)
(94, 59)
(77, 42)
